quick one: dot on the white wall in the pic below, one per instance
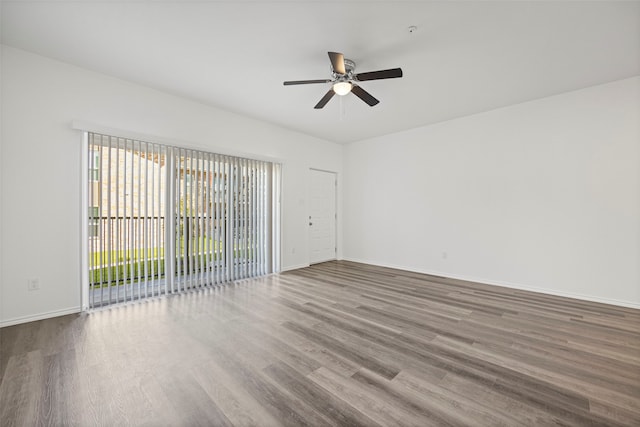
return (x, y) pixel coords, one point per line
(40, 177)
(543, 195)
(1, 188)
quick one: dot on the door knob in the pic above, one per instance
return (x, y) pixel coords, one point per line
(310, 223)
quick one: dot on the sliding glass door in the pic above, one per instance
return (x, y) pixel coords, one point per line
(165, 219)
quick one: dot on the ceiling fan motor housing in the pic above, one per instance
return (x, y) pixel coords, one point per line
(349, 67)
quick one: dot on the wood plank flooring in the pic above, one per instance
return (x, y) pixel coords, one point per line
(338, 343)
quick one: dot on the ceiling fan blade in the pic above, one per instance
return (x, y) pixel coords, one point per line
(378, 75)
(325, 99)
(337, 62)
(364, 95)
(305, 82)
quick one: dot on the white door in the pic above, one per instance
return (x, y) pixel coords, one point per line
(322, 216)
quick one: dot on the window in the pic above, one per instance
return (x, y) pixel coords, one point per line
(94, 165)
(94, 222)
(165, 219)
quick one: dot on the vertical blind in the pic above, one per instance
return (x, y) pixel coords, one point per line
(166, 219)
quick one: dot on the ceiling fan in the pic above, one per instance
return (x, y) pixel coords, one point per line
(344, 80)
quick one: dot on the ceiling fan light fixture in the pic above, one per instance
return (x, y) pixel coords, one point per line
(342, 88)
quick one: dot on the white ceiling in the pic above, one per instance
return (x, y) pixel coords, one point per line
(465, 57)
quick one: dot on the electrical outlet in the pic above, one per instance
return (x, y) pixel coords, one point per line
(33, 284)
(444, 255)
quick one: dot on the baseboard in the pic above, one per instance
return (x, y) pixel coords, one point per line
(73, 310)
(293, 267)
(517, 286)
(39, 316)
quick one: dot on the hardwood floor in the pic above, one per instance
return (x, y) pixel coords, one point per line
(337, 343)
